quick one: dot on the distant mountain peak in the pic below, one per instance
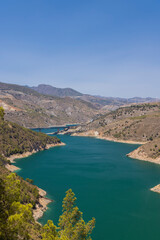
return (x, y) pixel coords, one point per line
(58, 92)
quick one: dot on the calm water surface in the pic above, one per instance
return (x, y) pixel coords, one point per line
(109, 186)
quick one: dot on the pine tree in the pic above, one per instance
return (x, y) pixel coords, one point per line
(50, 231)
(2, 113)
(71, 222)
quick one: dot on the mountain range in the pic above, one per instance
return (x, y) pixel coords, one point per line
(46, 106)
(32, 109)
(98, 101)
(57, 92)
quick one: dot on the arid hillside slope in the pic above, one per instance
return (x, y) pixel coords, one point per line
(134, 124)
(148, 152)
(31, 109)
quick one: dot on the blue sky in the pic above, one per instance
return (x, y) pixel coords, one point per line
(102, 47)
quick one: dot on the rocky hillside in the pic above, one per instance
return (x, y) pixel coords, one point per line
(29, 108)
(134, 124)
(148, 152)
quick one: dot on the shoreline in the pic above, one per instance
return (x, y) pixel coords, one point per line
(41, 206)
(11, 167)
(111, 139)
(43, 201)
(135, 154)
(121, 141)
(55, 126)
(27, 154)
(139, 155)
(156, 189)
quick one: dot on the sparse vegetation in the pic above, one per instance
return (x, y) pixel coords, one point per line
(138, 123)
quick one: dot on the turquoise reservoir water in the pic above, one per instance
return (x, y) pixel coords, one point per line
(109, 186)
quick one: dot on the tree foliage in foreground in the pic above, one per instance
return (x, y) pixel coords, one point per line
(71, 225)
(17, 223)
(15, 218)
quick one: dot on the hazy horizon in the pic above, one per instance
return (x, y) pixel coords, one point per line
(99, 47)
(96, 95)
